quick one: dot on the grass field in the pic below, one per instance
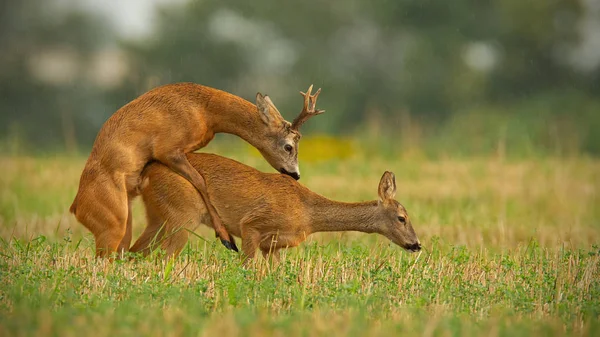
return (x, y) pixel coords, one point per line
(511, 249)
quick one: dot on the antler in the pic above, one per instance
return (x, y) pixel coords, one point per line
(309, 108)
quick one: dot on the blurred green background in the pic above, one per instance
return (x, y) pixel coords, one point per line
(438, 78)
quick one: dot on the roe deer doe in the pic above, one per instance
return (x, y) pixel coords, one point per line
(268, 211)
(164, 125)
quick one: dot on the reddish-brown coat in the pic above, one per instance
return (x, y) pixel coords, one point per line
(268, 211)
(163, 125)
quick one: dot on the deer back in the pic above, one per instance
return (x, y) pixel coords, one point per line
(240, 194)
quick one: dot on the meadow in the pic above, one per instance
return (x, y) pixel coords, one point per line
(511, 248)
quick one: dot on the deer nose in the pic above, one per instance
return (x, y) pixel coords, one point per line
(294, 175)
(415, 247)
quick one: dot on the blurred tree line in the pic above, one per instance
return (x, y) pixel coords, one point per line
(463, 76)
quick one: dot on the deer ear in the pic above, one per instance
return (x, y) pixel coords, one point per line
(387, 186)
(267, 110)
(263, 108)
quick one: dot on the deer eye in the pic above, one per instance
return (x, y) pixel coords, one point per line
(402, 219)
(288, 148)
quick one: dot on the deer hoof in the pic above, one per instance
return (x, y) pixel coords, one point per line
(230, 245)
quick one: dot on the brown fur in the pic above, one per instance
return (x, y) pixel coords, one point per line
(163, 125)
(268, 211)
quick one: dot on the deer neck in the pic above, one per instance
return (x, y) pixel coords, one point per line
(235, 115)
(334, 216)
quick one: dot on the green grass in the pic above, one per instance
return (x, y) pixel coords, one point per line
(60, 289)
(511, 250)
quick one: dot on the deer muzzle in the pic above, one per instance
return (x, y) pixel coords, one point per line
(294, 175)
(415, 247)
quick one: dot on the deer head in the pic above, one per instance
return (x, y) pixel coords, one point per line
(394, 220)
(281, 148)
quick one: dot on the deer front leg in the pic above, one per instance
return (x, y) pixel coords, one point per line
(250, 242)
(269, 246)
(273, 253)
(182, 166)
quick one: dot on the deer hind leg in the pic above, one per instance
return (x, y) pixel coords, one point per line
(174, 240)
(103, 209)
(167, 228)
(182, 166)
(152, 235)
(126, 241)
(171, 240)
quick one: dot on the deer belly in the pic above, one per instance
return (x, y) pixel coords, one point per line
(282, 240)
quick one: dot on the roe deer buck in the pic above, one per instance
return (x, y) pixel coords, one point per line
(268, 211)
(163, 125)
